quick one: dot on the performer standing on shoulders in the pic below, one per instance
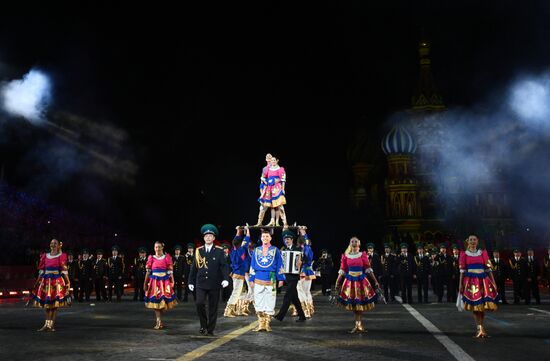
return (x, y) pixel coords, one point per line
(159, 283)
(355, 291)
(477, 285)
(209, 272)
(263, 184)
(266, 274)
(273, 194)
(51, 290)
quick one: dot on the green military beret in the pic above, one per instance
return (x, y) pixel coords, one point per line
(289, 234)
(177, 246)
(370, 245)
(142, 249)
(209, 229)
(516, 250)
(404, 245)
(85, 250)
(99, 251)
(434, 250)
(454, 246)
(419, 246)
(442, 245)
(190, 245)
(115, 248)
(387, 245)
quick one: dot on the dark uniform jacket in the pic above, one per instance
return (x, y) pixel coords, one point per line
(375, 264)
(443, 266)
(388, 264)
(208, 270)
(422, 267)
(116, 267)
(499, 269)
(100, 268)
(73, 270)
(533, 269)
(405, 265)
(86, 269)
(179, 265)
(139, 267)
(187, 264)
(518, 269)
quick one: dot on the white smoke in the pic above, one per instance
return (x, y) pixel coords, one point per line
(502, 142)
(28, 97)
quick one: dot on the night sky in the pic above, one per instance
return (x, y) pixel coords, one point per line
(185, 83)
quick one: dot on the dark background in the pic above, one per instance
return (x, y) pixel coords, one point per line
(204, 93)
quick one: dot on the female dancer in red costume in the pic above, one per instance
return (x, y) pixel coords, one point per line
(477, 285)
(52, 286)
(356, 293)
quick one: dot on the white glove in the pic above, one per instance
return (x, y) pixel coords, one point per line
(225, 283)
(191, 288)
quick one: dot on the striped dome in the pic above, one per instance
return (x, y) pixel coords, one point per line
(398, 141)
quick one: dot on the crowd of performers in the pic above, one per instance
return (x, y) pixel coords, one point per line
(253, 272)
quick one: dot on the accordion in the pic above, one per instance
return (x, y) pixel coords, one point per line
(291, 261)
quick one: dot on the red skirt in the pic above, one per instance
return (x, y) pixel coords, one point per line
(160, 294)
(357, 294)
(51, 292)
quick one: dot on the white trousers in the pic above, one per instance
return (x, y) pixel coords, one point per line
(237, 290)
(304, 291)
(264, 299)
(249, 297)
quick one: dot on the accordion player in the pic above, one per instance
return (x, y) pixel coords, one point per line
(292, 261)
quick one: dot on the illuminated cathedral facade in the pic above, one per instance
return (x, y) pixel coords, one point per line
(415, 202)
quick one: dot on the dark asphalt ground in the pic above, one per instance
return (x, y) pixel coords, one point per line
(123, 331)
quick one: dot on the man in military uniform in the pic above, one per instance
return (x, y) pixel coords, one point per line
(100, 276)
(422, 273)
(138, 274)
(116, 271)
(455, 273)
(86, 274)
(187, 269)
(374, 260)
(209, 272)
(179, 267)
(500, 274)
(388, 264)
(405, 271)
(324, 266)
(518, 273)
(533, 278)
(72, 269)
(291, 294)
(443, 273)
